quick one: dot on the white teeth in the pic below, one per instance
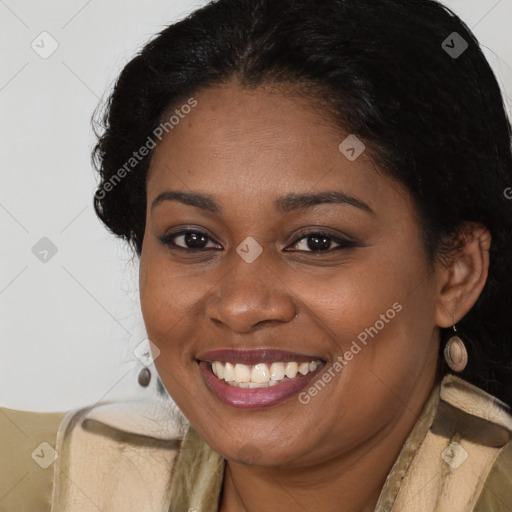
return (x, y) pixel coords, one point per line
(220, 369)
(257, 385)
(261, 375)
(268, 384)
(229, 372)
(290, 370)
(303, 368)
(242, 373)
(277, 371)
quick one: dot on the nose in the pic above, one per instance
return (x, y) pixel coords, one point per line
(249, 296)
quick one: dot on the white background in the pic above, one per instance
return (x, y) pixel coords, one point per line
(68, 327)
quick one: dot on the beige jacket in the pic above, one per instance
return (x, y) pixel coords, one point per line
(133, 458)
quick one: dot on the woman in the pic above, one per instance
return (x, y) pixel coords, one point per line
(317, 192)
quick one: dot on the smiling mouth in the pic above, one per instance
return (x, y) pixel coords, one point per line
(250, 379)
(262, 375)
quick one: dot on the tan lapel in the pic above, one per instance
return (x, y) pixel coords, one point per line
(116, 456)
(450, 467)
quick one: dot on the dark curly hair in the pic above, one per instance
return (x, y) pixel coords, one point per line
(387, 71)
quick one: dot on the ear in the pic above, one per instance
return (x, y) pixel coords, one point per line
(462, 275)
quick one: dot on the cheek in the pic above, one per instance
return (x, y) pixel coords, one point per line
(353, 296)
(378, 312)
(172, 297)
(167, 302)
(168, 296)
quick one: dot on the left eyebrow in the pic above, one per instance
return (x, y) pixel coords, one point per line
(293, 202)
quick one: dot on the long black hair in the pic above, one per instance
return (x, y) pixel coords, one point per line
(406, 76)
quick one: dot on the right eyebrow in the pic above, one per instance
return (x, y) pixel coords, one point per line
(203, 201)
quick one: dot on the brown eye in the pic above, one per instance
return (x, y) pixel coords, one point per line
(189, 239)
(320, 242)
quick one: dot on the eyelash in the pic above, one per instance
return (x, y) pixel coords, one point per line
(343, 243)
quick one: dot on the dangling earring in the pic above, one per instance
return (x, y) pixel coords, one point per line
(144, 377)
(455, 352)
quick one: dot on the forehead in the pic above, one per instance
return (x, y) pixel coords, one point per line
(241, 144)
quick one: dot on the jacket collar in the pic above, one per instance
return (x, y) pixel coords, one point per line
(157, 418)
(138, 454)
(455, 409)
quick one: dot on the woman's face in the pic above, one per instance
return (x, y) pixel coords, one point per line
(253, 277)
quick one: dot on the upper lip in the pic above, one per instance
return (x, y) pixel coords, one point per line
(262, 355)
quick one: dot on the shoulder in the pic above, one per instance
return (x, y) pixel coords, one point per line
(496, 494)
(118, 455)
(27, 450)
(482, 424)
(464, 461)
(477, 429)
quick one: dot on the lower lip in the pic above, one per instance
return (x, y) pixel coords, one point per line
(255, 398)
